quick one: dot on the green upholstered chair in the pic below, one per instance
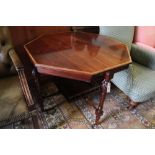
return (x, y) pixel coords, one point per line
(138, 81)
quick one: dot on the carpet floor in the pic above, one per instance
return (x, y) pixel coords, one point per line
(78, 114)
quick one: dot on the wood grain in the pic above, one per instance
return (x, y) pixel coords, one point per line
(76, 55)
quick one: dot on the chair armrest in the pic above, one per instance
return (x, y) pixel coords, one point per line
(22, 77)
(15, 59)
(143, 56)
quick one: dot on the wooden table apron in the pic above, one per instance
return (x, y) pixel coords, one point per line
(78, 56)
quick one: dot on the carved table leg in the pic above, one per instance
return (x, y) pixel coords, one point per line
(104, 84)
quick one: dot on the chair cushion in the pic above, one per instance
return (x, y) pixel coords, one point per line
(145, 34)
(137, 82)
(12, 101)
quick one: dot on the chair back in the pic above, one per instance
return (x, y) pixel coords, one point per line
(145, 35)
(6, 66)
(122, 33)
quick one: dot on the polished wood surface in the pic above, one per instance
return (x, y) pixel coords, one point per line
(76, 55)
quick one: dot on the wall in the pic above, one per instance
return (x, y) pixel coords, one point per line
(23, 34)
(91, 29)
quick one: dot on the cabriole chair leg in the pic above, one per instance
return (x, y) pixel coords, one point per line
(132, 105)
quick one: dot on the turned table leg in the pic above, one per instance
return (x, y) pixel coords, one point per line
(103, 89)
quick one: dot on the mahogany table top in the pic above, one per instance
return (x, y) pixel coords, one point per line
(76, 55)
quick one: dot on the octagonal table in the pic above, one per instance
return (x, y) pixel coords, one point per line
(79, 56)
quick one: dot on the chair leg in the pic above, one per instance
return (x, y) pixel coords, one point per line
(26, 89)
(132, 105)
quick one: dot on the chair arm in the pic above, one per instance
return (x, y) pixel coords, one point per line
(15, 59)
(143, 56)
(22, 77)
